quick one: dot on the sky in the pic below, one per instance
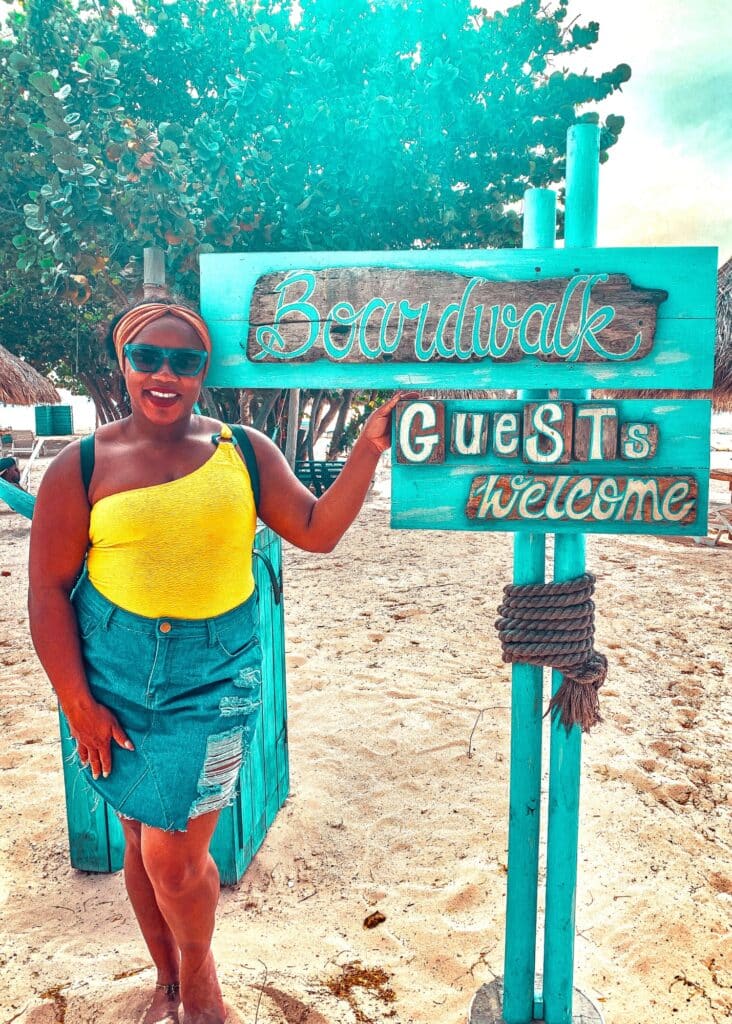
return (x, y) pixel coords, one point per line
(668, 181)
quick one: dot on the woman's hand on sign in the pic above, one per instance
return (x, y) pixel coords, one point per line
(378, 426)
(94, 727)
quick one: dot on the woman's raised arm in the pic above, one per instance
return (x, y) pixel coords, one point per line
(292, 511)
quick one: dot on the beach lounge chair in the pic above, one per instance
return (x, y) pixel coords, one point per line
(23, 443)
(53, 445)
(317, 475)
(717, 473)
(720, 523)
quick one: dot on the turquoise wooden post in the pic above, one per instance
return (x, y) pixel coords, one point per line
(526, 712)
(583, 149)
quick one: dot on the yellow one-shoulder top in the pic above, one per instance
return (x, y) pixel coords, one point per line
(181, 549)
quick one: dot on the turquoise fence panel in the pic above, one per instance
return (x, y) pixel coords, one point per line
(44, 420)
(62, 419)
(96, 839)
(680, 284)
(436, 495)
(275, 723)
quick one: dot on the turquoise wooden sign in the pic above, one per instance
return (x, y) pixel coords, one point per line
(630, 466)
(620, 318)
(529, 320)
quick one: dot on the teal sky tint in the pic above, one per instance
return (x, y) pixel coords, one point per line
(669, 180)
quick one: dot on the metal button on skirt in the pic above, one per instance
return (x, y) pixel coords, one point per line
(188, 694)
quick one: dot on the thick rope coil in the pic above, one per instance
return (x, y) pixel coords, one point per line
(554, 624)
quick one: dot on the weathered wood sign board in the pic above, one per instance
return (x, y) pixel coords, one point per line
(630, 466)
(621, 318)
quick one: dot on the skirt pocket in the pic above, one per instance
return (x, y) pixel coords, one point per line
(235, 646)
(88, 620)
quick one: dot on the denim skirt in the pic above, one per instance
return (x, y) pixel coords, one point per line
(187, 692)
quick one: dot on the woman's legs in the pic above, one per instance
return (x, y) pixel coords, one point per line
(155, 931)
(185, 886)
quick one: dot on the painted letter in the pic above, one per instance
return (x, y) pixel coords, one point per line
(606, 498)
(543, 415)
(636, 443)
(336, 320)
(416, 443)
(456, 309)
(270, 339)
(478, 443)
(579, 491)
(506, 434)
(533, 494)
(639, 490)
(408, 312)
(676, 493)
(601, 435)
(490, 506)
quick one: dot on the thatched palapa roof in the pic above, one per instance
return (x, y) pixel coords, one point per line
(723, 355)
(20, 384)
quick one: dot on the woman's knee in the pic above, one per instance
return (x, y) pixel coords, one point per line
(175, 868)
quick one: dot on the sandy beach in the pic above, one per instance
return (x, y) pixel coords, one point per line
(399, 739)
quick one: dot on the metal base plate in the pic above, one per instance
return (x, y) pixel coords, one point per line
(487, 1001)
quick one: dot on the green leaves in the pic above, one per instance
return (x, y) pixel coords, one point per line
(67, 162)
(205, 125)
(43, 83)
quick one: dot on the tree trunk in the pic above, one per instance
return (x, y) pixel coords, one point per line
(309, 437)
(97, 396)
(269, 398)
(326, 420)
(245, 406)
(340, 425)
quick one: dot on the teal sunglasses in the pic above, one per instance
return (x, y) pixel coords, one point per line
(184, 362)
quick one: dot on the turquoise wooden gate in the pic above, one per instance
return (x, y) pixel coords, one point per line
(96, 840)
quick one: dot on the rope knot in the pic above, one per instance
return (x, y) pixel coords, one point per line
(554, 624)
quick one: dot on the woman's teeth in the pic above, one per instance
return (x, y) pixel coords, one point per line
(164, 394)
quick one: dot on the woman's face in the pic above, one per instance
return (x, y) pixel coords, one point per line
(162, 397)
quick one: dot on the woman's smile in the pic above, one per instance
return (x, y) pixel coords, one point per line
(162, 398)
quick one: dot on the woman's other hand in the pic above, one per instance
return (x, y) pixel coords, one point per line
(93, 726)
(377, 430)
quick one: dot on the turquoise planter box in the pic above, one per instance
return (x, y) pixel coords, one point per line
(54, 420)
(96, 840)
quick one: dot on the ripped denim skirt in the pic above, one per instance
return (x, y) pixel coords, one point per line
(188, 694)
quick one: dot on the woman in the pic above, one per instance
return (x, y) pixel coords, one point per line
(153, 653)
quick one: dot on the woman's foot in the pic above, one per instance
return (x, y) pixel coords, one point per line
(164, 1006)
(202, 999)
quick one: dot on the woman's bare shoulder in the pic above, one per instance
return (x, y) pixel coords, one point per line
(65, 468)
(62, 498)
(265, 450)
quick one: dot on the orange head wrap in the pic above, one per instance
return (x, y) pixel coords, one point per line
(133, 322)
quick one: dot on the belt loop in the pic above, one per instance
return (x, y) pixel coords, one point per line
(107, 616)
(212, 635)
